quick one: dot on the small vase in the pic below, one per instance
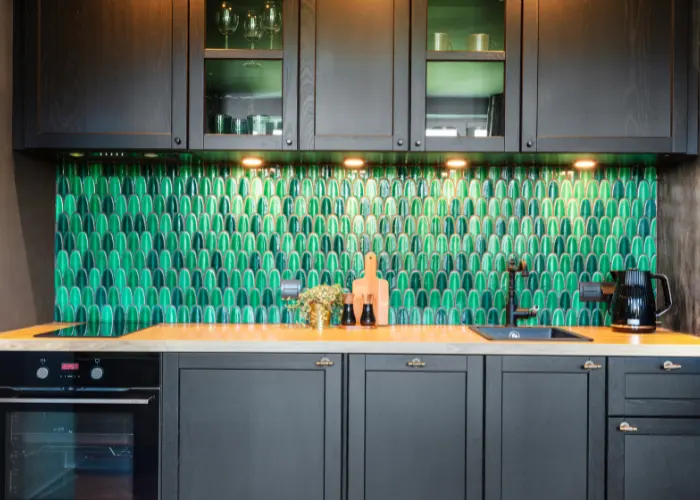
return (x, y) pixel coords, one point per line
(319, 317)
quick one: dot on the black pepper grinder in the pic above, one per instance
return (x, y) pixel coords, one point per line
(368, 318)
(348, 318)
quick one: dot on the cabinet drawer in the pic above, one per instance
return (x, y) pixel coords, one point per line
(654, 386)
(417, 362)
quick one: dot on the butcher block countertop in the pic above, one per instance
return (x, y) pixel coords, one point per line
(386, 340)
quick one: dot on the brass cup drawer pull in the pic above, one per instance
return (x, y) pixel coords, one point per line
(324, 363)
(416, 363)
(670, 366)
(626, 427)
(590, 365)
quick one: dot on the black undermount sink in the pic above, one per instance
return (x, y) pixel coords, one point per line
(521, 333)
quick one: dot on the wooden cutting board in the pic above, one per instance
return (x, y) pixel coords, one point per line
(370, 284)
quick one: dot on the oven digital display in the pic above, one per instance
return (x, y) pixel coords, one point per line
(70, 367)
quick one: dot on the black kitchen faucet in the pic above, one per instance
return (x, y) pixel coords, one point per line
(513, 312)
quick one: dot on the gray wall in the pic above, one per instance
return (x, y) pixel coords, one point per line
(678, 227)
(27, 199)
(678, 241)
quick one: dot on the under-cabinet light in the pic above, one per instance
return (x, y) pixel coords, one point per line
(251, 162)
(585, 164)
(456, 163)
(354, 162)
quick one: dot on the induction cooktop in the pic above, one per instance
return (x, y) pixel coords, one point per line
(97, 330)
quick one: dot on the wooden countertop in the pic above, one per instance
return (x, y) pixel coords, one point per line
(388, 340)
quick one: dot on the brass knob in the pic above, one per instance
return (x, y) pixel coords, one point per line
(625, 427)
(590, 365)
(670, 366)
(416, 363)
(324, 363)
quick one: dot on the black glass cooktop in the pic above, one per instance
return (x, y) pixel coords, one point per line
(99, 330)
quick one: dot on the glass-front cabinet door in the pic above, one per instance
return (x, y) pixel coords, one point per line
(465, 75)
(243, 66)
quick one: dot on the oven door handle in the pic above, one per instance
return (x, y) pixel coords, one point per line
(77, 401)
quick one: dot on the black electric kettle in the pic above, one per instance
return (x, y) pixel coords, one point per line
(633, 304)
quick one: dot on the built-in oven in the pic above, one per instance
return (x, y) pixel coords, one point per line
(79, 426)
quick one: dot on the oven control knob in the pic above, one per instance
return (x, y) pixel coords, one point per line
(42, 373)
(96, 373)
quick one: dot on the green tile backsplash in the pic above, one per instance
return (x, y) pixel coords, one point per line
(197, 243)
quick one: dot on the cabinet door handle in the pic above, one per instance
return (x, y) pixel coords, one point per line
(416, 363)
(670, 366)
(324, 363)
(590, 365)
(625, 427)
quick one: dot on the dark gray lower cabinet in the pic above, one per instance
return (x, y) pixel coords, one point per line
(257, 427)
(653, 458)
(415, 427)
(545, 428)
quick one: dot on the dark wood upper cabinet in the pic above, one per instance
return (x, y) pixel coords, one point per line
(244, 74)
(105, 74)
(545, 428)
(465, 75)
(595, 76)
(353, 75)
(606, 76)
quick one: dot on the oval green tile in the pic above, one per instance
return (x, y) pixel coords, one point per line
(564, 189)
(598, 209)
(481, 207)
(617, 263)
(559, 208)
(528, 190)
(507, 208)
(618, 189)
(546, 208)
(469, 209)
(552, 300)
(624, 208)
(428, 280)
(501, 226)
(429, 244)
(462, 188)
(572, 245)
(493, 244)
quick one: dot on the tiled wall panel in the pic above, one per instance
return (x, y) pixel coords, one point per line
(211, 243)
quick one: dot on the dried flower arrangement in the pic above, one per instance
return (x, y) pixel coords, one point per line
(329, 297)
